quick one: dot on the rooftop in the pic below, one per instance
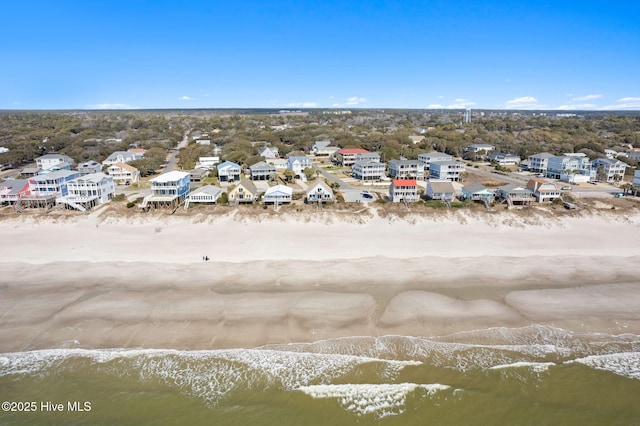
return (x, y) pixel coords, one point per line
(170, 176)
(352, 151)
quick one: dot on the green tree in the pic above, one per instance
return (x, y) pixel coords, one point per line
(289, 175)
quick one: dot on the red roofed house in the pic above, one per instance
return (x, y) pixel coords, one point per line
(404, 190)
(347, 156)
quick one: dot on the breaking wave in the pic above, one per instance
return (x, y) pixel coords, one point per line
(365, 375)
(622, 364)
(380, 400)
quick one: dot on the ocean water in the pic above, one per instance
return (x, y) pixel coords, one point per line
(525, 376)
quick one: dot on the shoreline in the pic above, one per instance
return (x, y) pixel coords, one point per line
(277, 281)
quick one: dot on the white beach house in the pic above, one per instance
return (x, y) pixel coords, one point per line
(406, 169)
(543, 190)
(119, 157)
(403, 190)
(367, 170)
(319, 192)
(89, 167)
(297, 164)
(88, 191)
(123, 174)
(279, 194)
(207, 194)
(608, 169)
(538, 163)
(449, 170)
(440, 189)
(427, 158)
(52, 162)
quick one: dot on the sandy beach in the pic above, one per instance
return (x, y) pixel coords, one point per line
(100, 281)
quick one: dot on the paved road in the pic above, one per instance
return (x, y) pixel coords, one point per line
(351, 194)
(171, 164)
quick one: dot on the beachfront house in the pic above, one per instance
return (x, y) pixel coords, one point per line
(543, 190)
(406, 169)
(53, 162)
(515, 194)
(427, 158)
(88, 191)
(262, 171)
(119, 157)
(446, 170)
(367, 170)
(52, 184)
(279, 194)
(123, 174)
(168, 190)
(207, 194)
(228, 172)
(89, 167)
(636, 180)
(297, 164)
(323, 148)
(477, 192)
(572, 168)
(347, 156)
(13, 189)
(439, 189)
(319, 192)
(503, 158)
(245, 192)
(608, 169)
(404, 190)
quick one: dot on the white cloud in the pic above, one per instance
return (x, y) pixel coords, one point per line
(186, 98)
(576, 107)
(461, 104)
(354, 100)
(440, 97)
(587, 98)
(302, 105)
(625, 103)
(111, 106)
(458, 104)
(525, 102)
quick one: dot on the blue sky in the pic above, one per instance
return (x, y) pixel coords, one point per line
(295, 54)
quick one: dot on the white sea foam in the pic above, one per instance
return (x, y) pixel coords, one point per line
(624, 364)
(538, 367)
(380, 400)
(207, 374)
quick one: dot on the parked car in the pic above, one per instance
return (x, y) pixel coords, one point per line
(566, 188)
(367, 195)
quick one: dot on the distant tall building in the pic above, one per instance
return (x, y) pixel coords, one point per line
(467, 115)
